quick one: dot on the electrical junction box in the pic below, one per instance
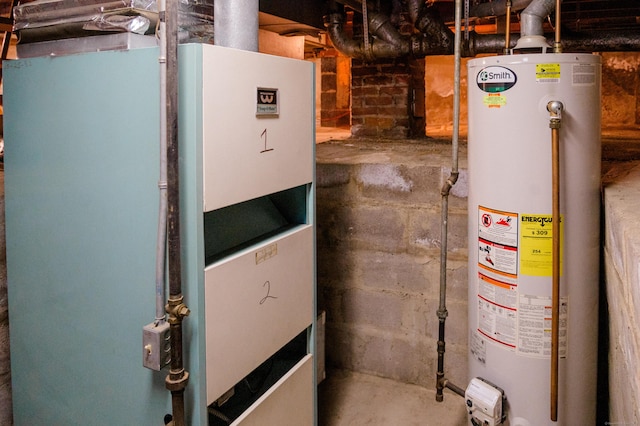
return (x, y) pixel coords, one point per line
(156, 345)
(485, 403)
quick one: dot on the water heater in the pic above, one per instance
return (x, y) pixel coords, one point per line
(510, 232)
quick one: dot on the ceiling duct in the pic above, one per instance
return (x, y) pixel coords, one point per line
(435, 37)
(236, 24)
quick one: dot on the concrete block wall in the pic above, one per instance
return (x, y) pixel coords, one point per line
(378, 227)
(622, 269)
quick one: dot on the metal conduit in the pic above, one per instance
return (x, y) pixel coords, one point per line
(161, 243)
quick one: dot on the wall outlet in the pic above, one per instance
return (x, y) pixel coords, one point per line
(156, 346)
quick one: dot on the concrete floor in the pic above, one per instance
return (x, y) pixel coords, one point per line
(352, 399)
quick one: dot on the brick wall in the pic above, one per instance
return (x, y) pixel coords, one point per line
(387, 98)
(378, 218)
(335, 108)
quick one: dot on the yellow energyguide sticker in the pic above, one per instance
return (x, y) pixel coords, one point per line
(536, 245)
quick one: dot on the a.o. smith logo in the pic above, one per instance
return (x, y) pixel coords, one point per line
(496, 79)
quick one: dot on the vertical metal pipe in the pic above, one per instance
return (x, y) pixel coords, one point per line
(557, 45)
(555, 298)
(178, 378)
(442, 308)
(173, 195)
(236, 24)
(507, 31)
(555, 108)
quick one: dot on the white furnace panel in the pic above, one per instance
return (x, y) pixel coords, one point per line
(258, 125)
(256, 302)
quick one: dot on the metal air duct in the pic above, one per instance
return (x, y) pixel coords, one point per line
(236, 24)
(531, 19)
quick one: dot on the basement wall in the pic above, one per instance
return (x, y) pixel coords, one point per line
(620, 93)
(378, 231)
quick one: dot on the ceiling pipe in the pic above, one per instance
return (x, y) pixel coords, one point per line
(437, 39)
(389, 44)
(414, 8)
(497, 8)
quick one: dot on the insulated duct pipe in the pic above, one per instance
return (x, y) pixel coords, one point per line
(437, 39)
(612, 41)
(178, 378)
(390, 44)
(497, 8)
(236, 24)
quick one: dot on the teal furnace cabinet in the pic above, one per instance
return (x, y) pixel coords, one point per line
(81, 176)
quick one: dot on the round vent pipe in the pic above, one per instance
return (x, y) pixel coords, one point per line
(236, 24)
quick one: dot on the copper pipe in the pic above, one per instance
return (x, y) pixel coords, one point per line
(555, 108)
(507, 35)
(557, 45)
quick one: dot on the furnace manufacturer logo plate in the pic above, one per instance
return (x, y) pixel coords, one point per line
(267, 102)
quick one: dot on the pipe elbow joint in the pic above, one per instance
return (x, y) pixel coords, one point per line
(555, 109)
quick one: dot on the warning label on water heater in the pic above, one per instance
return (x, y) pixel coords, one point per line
(547, 73)
(497, 275)
(510, 246)
(534, 326)
(498, 240)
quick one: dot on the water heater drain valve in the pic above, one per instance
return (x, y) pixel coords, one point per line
(485, 403)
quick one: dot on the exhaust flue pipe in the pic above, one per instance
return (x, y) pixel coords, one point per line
(236, 24)
(531, 20)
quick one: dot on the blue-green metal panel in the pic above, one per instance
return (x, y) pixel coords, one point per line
(312, 220)
(190, 139)
(81, 171)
